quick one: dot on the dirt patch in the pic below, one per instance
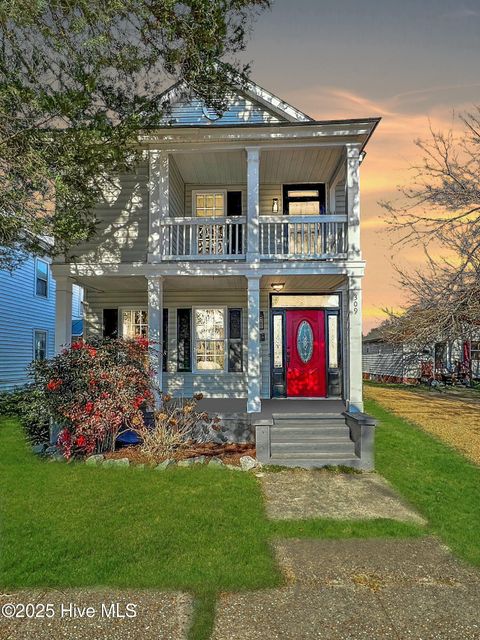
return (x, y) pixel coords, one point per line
(456, 421)
(228, 453)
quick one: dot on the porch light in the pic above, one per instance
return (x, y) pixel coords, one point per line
(275, 205)
(277, 286)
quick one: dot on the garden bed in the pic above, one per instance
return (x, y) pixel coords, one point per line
(227, 453)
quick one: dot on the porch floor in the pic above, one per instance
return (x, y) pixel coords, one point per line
(231, 406)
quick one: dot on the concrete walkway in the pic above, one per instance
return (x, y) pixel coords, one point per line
(358, 590)
(300, 494)
(164, 615)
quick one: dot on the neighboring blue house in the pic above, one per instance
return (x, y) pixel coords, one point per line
(27, 319)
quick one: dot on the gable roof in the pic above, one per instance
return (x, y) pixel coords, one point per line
(250, 104)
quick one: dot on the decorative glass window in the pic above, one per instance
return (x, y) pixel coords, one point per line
(333, 342)
(210, 339)
(40, 345)
(209, 204)
(331, 301)
(278, 341)
(41, 278)
(305, 342)
(134, 323)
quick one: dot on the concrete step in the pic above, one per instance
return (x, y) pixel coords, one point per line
(302, 424)
(294, 434)
(307, 416)
(342, 446)
(317, 462)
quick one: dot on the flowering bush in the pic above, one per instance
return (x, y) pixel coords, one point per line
(94, 390)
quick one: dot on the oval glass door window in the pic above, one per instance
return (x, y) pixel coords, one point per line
(305, 341)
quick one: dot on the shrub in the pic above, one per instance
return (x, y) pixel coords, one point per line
(177, 424)
(27, 403)
(9, 402)
(94, 390)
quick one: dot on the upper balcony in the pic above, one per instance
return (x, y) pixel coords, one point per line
(255, 204)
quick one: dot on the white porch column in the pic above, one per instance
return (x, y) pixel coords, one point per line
(63, 313)
(253, 203)
(354, 324)
(158, 204)
(254, 404)
(155, 327)
(353, 201)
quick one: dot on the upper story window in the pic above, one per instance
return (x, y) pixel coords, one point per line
(41, 278)
(303, 199)
(209, 204)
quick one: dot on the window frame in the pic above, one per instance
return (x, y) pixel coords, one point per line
(225, 340)
(121, 311)
(321, 187)
(45, 332)
(214, 192)
(46, 280)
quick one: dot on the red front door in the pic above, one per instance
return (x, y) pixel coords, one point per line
(306, 364)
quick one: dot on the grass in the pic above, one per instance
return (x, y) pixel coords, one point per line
(441, 483)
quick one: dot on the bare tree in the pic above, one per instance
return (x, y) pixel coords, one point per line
(441, 206)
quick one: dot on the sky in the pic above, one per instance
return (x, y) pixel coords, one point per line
(414, 63)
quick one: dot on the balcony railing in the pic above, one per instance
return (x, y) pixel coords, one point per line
(303, 237)
(204, 238)
(309, 237)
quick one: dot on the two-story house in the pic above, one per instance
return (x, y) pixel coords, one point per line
(236, 245)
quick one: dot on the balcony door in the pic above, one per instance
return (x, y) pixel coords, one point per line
(306, 373)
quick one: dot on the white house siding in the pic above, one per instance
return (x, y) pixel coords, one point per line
(241, 111)
(122, 217)
(340, 199)
(21, 312)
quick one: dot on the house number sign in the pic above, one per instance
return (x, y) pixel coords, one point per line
(355, 303)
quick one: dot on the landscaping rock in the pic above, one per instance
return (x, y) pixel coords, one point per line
(51, 451)
(248, 463)
(233, 467)
(186, 463)
(198, 460)
(116, 462)
(216, 462)
(165, 465)
(95, 460)
(39, 449)
(140, 466)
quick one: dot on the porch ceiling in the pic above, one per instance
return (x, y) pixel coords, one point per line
(311, 164)
(310, 283)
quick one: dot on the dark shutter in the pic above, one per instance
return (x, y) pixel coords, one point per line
(184, 339)
(165, 340)
(110, 323)
(235, 342)
(234, 203)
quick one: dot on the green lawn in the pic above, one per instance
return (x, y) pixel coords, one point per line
(441, 483)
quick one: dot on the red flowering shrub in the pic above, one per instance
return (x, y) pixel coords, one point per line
(95, 390)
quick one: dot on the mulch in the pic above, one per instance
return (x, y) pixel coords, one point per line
(228, 453)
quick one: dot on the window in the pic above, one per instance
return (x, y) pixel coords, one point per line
(41, 278)
(303, 199)
(184, 340)
(332, 341)
(210, 340)
(475, 351)
(209, 204)
(40, 345)
(134, 323)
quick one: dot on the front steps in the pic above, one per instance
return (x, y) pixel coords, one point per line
(312, 440)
